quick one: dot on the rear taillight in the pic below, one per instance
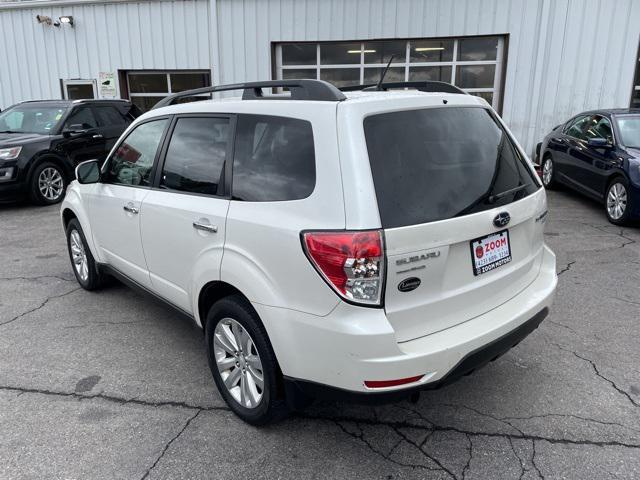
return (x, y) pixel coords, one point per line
(351, 262)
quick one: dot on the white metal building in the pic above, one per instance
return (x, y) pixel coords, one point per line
(537, 61)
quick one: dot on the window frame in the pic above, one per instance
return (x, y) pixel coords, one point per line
(610, 121)
(224, 186)
(154, 166)
(497, 89)
(571, 123)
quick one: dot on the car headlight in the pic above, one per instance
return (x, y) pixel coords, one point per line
(10, 153)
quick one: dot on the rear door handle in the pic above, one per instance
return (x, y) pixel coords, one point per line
(97, 136)
(130, 208)
(205, 227)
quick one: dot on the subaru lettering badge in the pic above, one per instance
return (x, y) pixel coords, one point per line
(502, 219)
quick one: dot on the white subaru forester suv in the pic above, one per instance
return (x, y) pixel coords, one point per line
(362, 246)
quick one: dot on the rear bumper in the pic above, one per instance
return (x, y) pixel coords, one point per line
(334, 355)
(471, 362)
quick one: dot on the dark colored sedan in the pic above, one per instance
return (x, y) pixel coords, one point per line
(598, 154)
(42, 142)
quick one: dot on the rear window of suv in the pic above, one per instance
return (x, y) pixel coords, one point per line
(438, 163)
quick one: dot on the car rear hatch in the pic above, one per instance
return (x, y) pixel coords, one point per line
(461, 214)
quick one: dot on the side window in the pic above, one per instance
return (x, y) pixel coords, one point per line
(132, 162)
(576, 129)
(196, 155)
(599, 127)
(81, 116)
(108, 117)
(274, 159)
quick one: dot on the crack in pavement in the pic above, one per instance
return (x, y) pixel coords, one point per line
(473, 433)
(102, 324)
(64, 279)
(625, 300)
(570, 415)
(114, 399)
(597, 372)
(523, 466)
(533, 459)
(168, 444)
(567, 268)
(46, 300)
(360, 437)
(468, 464)
(621, 234)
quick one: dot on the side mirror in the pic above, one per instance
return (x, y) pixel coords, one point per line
(599, 143)
(75, 129)
(88, 172)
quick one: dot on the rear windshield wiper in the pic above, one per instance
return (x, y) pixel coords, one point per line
(497, 196)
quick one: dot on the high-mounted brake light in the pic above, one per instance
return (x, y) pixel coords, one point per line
(351, 262)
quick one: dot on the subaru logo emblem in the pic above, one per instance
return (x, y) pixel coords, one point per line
(502, 219)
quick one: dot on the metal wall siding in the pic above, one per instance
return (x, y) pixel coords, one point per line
(106, 37)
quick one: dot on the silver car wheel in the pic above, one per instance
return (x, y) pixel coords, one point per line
(547, 171)
(78, 255)
(617, 201)
(238, 362)
(51, 184)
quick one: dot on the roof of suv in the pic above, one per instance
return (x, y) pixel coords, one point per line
(352, 98)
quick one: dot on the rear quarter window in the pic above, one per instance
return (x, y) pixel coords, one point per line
(274, 159)
(438, 163)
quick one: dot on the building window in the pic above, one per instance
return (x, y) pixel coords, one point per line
(472, 63)
(146, 88)
(635, 93)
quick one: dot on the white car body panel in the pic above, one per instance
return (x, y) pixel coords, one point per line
(171, 242)
(116, 232)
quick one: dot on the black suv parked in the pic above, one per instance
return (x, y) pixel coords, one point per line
(41, 143)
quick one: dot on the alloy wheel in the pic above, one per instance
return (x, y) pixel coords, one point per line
(547, 171)
(79, 256)
(51, 183)
(616, 201)
(238, 362)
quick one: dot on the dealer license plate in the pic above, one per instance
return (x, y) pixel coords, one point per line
(490, 252)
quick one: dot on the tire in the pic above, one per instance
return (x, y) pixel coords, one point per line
(48, 184)
(547, 163)
(88, 276)
(229, 319)
(617, 201)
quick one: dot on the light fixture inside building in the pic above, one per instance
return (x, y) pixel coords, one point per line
(66, 19)
(428, 49)
(358, 51)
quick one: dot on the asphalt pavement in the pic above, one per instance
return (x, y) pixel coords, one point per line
(113, 385)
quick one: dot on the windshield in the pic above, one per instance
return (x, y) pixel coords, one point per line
(437, 163)
(629, 128)
(31, 118)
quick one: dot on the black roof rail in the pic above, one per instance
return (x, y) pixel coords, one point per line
(423, 86)
(304, 89)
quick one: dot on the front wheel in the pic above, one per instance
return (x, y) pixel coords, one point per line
(618, 202)
(242, 362)
(82, 261)
(48, 184)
